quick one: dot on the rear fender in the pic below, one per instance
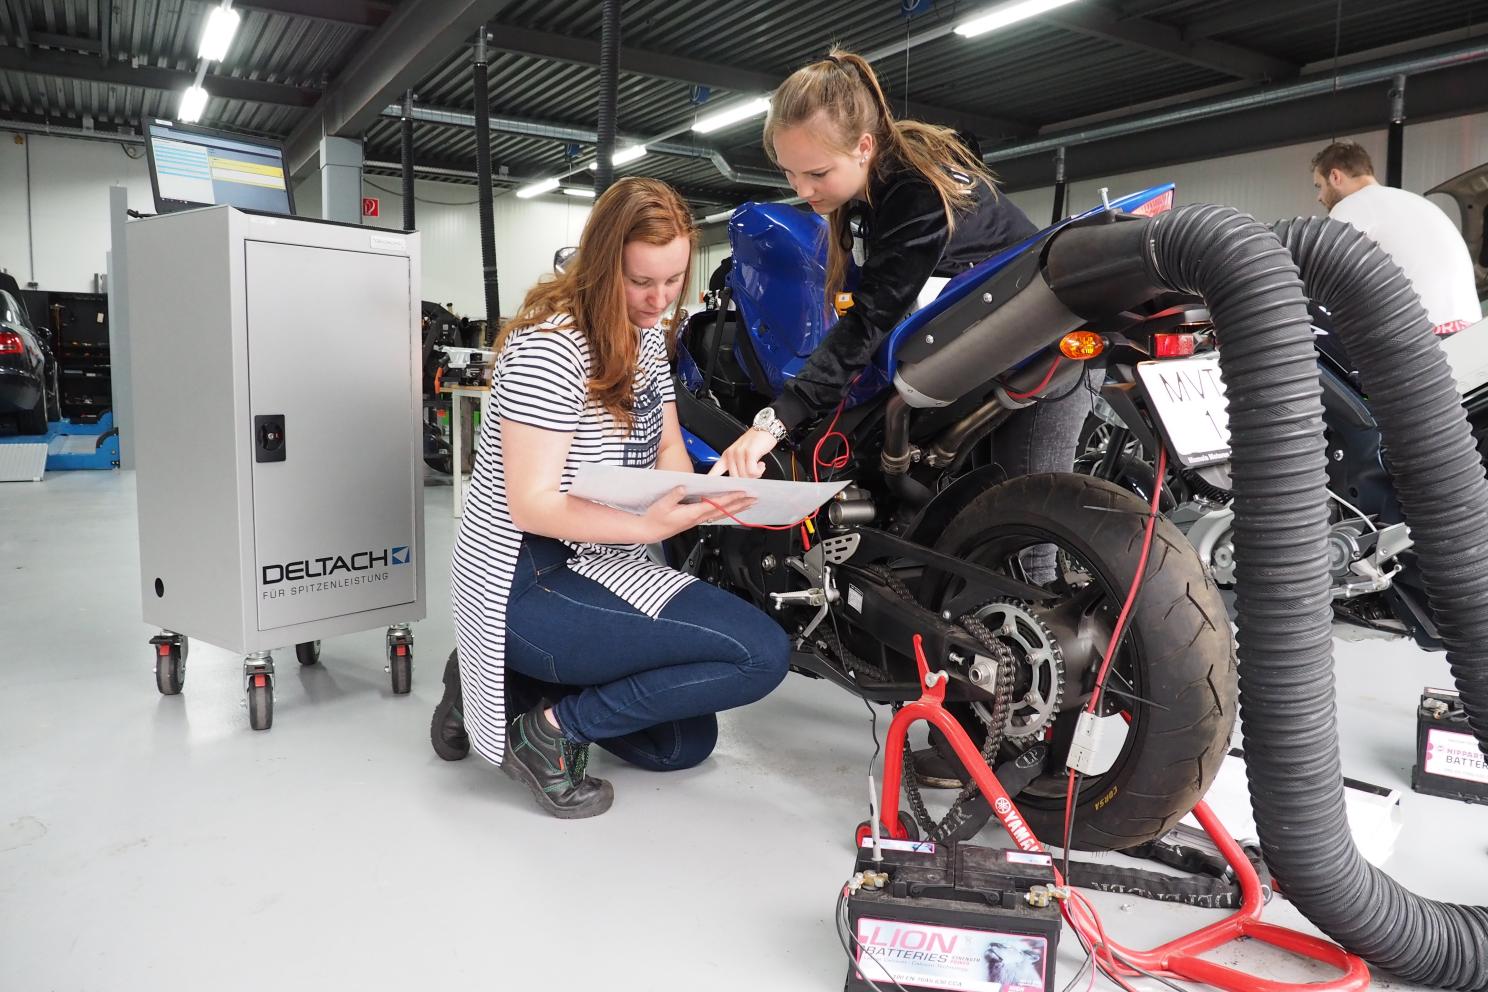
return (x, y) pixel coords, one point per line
(943, 507)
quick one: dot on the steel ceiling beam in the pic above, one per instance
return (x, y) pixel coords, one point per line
(416, 39)
(381, 165)
(585, 51)
(1454, 80)
(71, 65)
(570, 134)
(1448, 93)
(1169, 42)
(1239, 17)
(364, 14)
(65, 43)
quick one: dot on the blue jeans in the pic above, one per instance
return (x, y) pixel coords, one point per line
(644, 689)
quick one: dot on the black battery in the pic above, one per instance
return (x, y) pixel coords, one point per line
(1448, 761)
(954, 917)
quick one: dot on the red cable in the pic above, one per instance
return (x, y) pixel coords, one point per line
(1103, 959)
(1040, 387)
(839, 462)
(1131, 596)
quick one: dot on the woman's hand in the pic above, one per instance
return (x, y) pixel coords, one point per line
(743, 459)
(669, 516)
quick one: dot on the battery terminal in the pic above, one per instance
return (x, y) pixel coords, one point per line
(1040, 896)
(868, 880)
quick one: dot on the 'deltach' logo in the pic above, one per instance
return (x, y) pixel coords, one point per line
(400, 556)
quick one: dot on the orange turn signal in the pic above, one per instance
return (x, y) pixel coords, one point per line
(1080, 345)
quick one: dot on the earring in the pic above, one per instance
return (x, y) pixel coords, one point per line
(863, 160)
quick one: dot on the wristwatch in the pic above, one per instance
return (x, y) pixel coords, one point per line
(766, 421)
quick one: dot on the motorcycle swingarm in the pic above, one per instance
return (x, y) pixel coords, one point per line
(892, 621)
(982, 583)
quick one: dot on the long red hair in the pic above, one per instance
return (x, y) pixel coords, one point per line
(592, 291)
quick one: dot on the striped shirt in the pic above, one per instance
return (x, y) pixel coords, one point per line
(541, 379)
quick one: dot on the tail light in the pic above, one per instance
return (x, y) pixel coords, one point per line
(1080, 345)
(11, 343)
(1155, 206)
(1172, 345)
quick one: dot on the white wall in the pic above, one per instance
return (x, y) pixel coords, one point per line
(69, 204)
(528, 232)
(70, 179)
(1277, 183)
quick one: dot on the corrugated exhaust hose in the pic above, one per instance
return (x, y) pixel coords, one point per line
(1288, 708)
(1249, 277)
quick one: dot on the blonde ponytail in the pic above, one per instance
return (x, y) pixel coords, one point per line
(845, 89)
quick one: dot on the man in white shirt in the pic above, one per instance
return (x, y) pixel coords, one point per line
(1411, 229)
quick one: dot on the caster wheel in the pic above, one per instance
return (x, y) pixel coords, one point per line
(907, 824)
(910, 827)
(308, 652)
(261, 703)
(170, 669)
(400, 667)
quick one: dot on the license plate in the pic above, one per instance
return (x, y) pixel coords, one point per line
(1187, 399)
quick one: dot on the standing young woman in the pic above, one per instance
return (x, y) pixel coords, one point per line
(926, 206)
(560, 589)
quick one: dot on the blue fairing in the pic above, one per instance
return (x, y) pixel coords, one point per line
(697, 449)
(778, 281)
(778, 278)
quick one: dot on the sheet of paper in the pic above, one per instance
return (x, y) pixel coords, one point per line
(1467, 352)
(635, 489)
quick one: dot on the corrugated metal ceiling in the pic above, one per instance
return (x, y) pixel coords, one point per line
(1038, 74)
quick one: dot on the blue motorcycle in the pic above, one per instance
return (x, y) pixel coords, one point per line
(931, 538)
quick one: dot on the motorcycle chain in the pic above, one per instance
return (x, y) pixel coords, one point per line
(994, 723)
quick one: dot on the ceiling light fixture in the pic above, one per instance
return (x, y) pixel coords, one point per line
(1008, 13)
(193, 102)
(222, 24)
(733, 115)
(537, 189)
(624, 155)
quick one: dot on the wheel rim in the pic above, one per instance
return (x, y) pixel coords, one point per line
(999, 547)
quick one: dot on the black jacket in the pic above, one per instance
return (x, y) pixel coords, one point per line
(906, 241)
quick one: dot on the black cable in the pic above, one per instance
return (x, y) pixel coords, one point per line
(423, 199)
(1069, 823)
(844, 933)
(1086, 964)
(1143, 971)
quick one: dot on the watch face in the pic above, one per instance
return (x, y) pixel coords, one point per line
(764, 418)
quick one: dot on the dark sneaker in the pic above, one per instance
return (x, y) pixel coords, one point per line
(933, 771)
(447, 731)
(552, 767)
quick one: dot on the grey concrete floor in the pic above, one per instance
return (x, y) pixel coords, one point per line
(151, 842)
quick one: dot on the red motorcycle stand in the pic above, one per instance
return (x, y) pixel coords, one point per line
(1175, 959)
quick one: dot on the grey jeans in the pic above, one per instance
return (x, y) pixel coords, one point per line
(1043, 438)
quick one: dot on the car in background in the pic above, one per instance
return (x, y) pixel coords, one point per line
(1470, 193)
(30, 393)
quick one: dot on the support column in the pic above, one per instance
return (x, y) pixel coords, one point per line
(609, 69)
(1395, 149)
(341, 179)
(1060, 186)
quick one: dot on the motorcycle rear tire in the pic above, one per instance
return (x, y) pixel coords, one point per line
(1179, 652)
